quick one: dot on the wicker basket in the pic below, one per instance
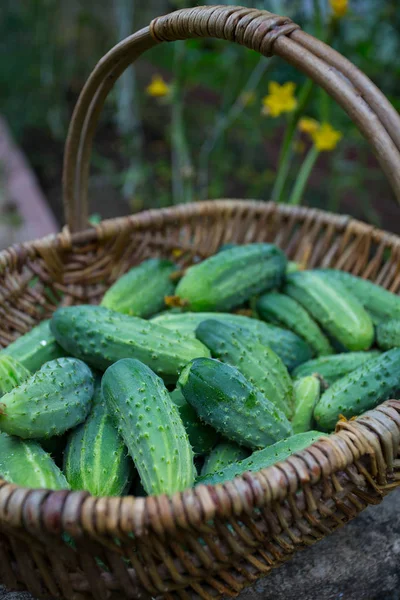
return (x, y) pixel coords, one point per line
(206, 542)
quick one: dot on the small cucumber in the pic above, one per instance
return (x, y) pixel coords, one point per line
(149, 423)
(259, 364)
(286, 312)
(388, 334)
(333, 367)
(263, 458)
(224, 399)
(12, 373)
(25, 463)
(141, 291)
(372, 383)
(292, 267)
(100, 337)
(307, 391)
(35, 348)
(56, 398)
(224, 454)
(231, 277)
(201, 436)
(338, 312)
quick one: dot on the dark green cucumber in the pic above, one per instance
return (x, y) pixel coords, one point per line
(231, 277)
(201, 436)
(258, 363)
(333, 367)
(338, 312)
(224, 399)
(100, 337)
(307, 391)
(150, 425)
(263, 458)
(388, 334)
(373, 382)
(96, 459)
(35, 348)
(56, 398)
(286, 312)
(224, 454)
(25, 463)
(12, 373)
(141, 291)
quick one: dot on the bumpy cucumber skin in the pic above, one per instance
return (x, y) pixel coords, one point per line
(56, 398)
(149, 423)
(141, 291)
(307, 391)
(224, 399)
(12, 373)
(224, 454)
(333, 307)
(231, 277)
(287, 345)
(380, 303)
(263, 458)
(35, 348)
(25, 463)
(372, 383)
(388, 334)
(201, 436)
(286, 312)
(96, 459)
(257, 363)
(100, 337)
(331, 368)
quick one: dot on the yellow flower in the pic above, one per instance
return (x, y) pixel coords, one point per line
(247, 98)
(280, 99)
(326, 137)
(177, 252)
(308, 125)
(158, 87)
(339, 7)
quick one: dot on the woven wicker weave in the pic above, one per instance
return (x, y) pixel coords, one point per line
(206, 542)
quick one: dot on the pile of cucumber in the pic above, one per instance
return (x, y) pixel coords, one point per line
(178, 379)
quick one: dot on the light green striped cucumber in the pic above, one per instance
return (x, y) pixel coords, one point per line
(224, 399)
(287, 345)
(201, 436)
(388, 334)
(56, 398)
(381, 304)
(35, 348)
(307, 392)
(96, 459)
(286, 312)
(149, 423)
(141, 291)
(100, 337)
(263, 458)
(231, 277)
(224, 454)
(25, 463)
(373, 382)
(12, 373)
(259, 364)
(333, 367)
(338, 312)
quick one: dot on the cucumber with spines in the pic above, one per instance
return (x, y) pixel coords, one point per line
(224, 454)
(388, 334)
(12, 373)
(335, 366)
(307, 391)
(201, 436)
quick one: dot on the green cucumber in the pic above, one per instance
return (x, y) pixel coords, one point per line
(333, 367)
(224, 399)
(12, 373)
(338, 312)
(292, 267)
(258, 363)
(263, 458)
(231, 277)
(224, 454)
(100, 337)
(388, 334)
(307, 391)
(201, 436)
(227, 246)
(35, 348)
(373, 382)
(149, 423)
(141, 291)
(25, 463)
(56, 398)
(286, 312)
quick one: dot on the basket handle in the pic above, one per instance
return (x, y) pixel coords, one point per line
(260, 30)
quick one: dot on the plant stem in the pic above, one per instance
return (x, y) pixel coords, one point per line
(303, 175)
